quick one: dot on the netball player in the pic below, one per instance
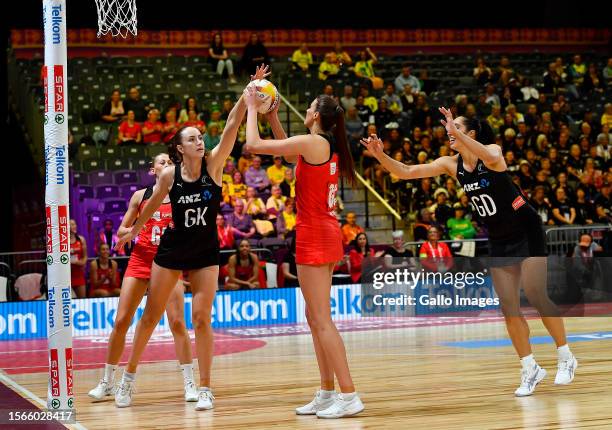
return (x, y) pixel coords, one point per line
(515, 231)
(191, 244)
(321, 157)
(135, 284)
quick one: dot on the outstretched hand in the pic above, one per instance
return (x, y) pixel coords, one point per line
(448, 123)
(127, 237)
(250, 97)
(373, 144)
(261, 72)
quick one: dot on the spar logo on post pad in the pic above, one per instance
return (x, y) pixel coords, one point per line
(54, 373)
(64, 233)
(49, 230)
(68, 353)
(59, 89)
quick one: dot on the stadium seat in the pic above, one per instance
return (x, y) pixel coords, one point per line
(139, 163)
(125, 177)
(101, 177)
(107, 191)
(118, 164)
(75, 165)
(110, 152)
(85, 192)
(93, 164)
(127, 190)
(115, 205)
(80, 178)
(119, 61)
(87, 152)
(134, 151)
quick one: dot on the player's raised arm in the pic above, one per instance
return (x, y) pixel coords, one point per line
(442, 165)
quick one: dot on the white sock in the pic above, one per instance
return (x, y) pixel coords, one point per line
(187, 372)
(564, 352)
(528, 362)
(128, 377)
(109, 372)
(326, 394)
(348, 396)
(204, 389)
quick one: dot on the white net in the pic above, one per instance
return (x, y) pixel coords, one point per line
(117, 17)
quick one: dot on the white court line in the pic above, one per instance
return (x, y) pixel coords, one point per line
(30, 395)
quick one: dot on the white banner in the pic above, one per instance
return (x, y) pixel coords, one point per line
(59, 320)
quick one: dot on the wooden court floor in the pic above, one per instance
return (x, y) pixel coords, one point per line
(407, 378)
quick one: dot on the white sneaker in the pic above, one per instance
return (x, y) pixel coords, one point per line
(123, 395)
(318, 404)
(103, 389)
(530, 378)
(342, 408)
(565, 371)
(205, 400)
(191, 392)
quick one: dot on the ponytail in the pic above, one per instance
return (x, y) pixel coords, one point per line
(484, 132)
(173, 152)
(332, 121)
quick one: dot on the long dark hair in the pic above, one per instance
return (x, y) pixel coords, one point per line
(332, 121)
(173, 152)
(484, 132)
(237, 253)
(355, 244)
(213, 43)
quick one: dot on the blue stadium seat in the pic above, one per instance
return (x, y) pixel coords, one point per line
(125, 177)
(118, 164)
(114, 205)
(101, 177)
(80, 178)
(127, 190)
(85, 192)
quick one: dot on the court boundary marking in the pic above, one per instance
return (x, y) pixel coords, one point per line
(4, 378)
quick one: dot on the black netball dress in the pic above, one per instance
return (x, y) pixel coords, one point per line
(515, 229)
(190, 242)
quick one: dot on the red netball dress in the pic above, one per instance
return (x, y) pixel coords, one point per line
(77, 272)
(148, 239)
(318, 235)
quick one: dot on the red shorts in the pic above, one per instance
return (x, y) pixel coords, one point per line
(320, 244)
(140, 264)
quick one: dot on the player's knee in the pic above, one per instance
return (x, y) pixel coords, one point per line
(122, 324)
(201, 320)
(177, 325)
(150, 318)
(318, 321)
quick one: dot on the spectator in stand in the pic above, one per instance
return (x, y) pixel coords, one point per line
(190, 104)
(343, 58)
(170, 127)
(504, 72)
(607, 72)
(593, 82)
(422, 225)
(606, 118)
(407, 98)
(383, 115)
(113, 110)
(254, 206)
(433, 252)
(241, 223)
(78, 260)
(237, 189)
(576, 73)
(482, 73)
(354, 131)
(491, 96)
(256, 176)
(459, 227)
(529, 92)
(225, 233)
(276, 172)
(563, 209)
(422, 113)
(483, 109)
(289, 267)
(441, 210)
(245, 160)
(393, 100)
(285, 222)
(329, 69)
(301, 58)
(254, 54)
(288, 185)
(152, 128)
(243, 268)
(368, 100)
(585, 211)
(194, 121)
(103, 274)
(134, 103)
(108, 235)
(218, 54)
(406, 78)
(397, 256)
(350, 230)
(359, 255)
(275, 203)
(212, 136)
(364, 68)
(586, 247)
(603, 204)
(495, 120)
(364, 111)
(130, 132)
(347, 100)
(541, 205)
